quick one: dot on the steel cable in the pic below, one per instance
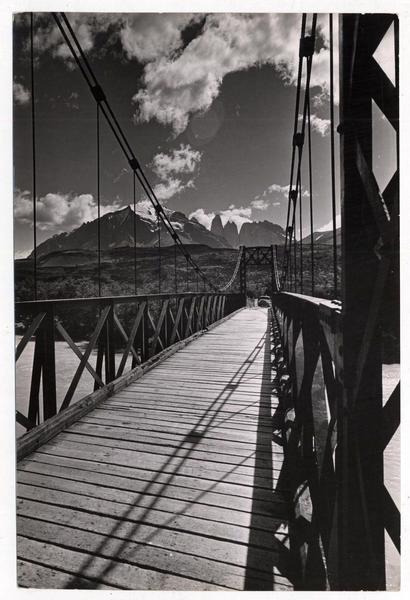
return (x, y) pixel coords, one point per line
(298, 140)
(312, 258)
(235, 272)
(33, 142)
(135, 231)
(98, 201)
(332, 157)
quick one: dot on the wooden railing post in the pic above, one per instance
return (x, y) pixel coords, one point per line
(200, 324)
(49, 365)
(207, 311)
(110, 346)
(33, 407)
(223, 306)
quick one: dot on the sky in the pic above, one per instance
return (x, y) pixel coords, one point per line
(207, 102)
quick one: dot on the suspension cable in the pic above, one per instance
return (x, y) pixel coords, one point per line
(306, 50)
(113, 123)
(175, 269)
(332, 154)
(235, 272)
(159, 253)
(294, 247)
(33, 141)
(135, 231)
(312, 257)
(300, 236)
(98, 201)
(295, 126)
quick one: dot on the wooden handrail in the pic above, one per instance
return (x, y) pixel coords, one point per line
(152, 328)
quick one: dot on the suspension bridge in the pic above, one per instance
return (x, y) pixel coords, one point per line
(223, 445)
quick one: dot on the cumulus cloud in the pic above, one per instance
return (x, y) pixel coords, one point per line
(182, 77)
(202, 217)
(175, 171)
(262, 201)
(87, 26)
(21, 94)
(239, 216)
(181, 160)
(179, 84)
(321, 126)
(171, 187)
(56, 212)
(147, 37)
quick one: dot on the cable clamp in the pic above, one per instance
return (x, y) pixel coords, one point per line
(290, 229)
(293, 194)
(298, 139)
(306, 46)
(134, 164)
(174, 236)
(98, 93)
(159, 209)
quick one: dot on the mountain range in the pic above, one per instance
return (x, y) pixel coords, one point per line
(117, 231)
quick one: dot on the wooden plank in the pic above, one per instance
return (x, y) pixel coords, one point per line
(190, 427)
(125, 505)
(183, 480)
(126, 439)
(174, 439)
(183, 564)
(103, 570)
(34, 575)
(197, 502)
(173, 464)
(126, 527)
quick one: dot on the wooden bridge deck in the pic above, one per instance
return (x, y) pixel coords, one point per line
(174, 483)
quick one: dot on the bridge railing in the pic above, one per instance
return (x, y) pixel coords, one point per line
(108, 335)
(308, 361)
(330, 452)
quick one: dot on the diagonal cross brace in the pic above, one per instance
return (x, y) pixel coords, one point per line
(29, 333)
(86, 356)
(130, 340)
(77, 351)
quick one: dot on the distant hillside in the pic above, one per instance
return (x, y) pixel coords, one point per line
(117, 230)
(324, 237)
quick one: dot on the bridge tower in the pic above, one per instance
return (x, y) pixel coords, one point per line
(258, 256)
